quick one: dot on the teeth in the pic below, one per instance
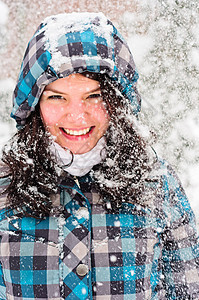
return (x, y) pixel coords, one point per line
(75, 132)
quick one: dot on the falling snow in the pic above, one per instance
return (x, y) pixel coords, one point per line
(174, 123)
(163, 36)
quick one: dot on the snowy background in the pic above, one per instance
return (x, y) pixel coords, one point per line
(164, 38)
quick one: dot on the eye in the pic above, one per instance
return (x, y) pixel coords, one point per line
(56, 97)
(95, 98)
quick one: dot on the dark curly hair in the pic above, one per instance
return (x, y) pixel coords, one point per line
(122, 176)
(118, 178)
(33, 171)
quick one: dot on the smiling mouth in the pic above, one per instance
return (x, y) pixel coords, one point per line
(77, 132)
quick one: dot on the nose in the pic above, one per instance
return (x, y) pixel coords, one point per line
(76, 111)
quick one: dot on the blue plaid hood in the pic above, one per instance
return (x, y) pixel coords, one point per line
(68, 43)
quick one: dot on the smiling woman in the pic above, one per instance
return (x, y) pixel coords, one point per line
(73, 111)
(88, 210)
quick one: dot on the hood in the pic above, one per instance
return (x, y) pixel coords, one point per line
(68, 43)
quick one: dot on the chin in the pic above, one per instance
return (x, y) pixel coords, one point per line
(78, 150)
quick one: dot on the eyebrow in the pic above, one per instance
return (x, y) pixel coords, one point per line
(58, 92)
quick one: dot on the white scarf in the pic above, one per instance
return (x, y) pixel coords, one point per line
(82, 163)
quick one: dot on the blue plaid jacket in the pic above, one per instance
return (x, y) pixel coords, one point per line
(89, 252)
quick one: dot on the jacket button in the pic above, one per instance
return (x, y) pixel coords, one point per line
(82, 270)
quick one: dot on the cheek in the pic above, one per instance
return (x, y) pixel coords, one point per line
(100, 114)
(50, 113)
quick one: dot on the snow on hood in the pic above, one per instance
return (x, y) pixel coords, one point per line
(73, 43)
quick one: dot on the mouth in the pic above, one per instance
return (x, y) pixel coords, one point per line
(82, 133)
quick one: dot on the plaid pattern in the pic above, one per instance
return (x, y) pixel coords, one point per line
(136, 252)
(69, 43)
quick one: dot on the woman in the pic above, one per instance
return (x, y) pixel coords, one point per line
(87, 211)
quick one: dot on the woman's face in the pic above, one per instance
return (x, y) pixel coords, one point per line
(73, 111)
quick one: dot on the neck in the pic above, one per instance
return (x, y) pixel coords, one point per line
(79, 164)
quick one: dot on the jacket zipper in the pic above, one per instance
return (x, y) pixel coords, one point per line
(77, 181)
